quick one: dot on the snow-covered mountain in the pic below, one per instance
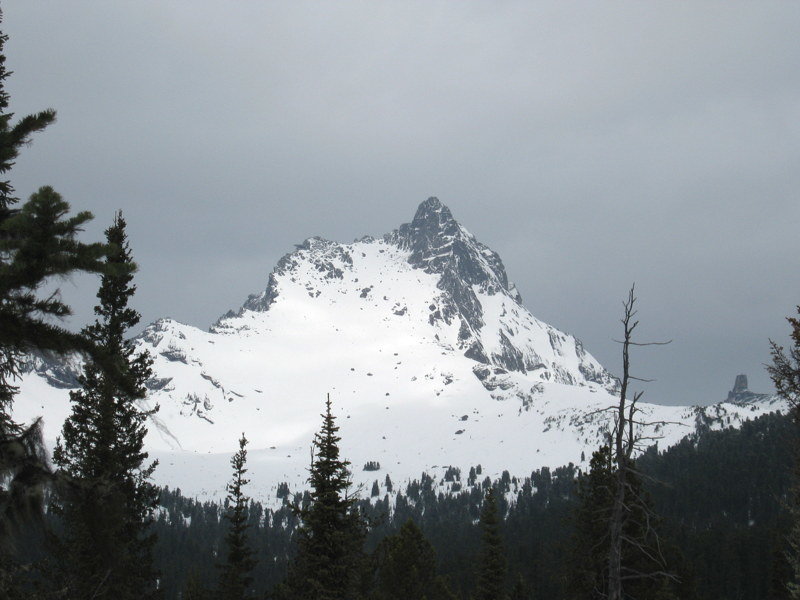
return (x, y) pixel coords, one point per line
(425, 347)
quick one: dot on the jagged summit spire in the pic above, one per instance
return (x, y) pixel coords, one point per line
(439, 244)
(432, 232)
(432, 211)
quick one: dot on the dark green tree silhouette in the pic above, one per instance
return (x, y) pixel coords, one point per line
(588, 556)
(406, 568)
(785, 373)
(331, 537)
(37, 243)
(107, 501)
(235, 580)
(492, 561)
(194, 589)
(520, 590)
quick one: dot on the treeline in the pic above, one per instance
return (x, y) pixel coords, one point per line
(721, 495)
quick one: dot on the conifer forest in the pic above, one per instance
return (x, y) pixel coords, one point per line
(713, 516)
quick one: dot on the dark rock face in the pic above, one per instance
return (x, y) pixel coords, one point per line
(440, 246)
(739, 386)
(59, 372)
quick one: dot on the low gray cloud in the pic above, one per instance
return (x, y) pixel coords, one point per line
(590, 145)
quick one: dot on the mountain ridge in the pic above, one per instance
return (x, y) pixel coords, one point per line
(425, 346)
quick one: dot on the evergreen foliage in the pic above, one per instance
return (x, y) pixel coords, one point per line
(37, 243)
(235, 580)
(406, 568)
(194, 589)
(520, 590)
(785, 372)
(722, 504)
(331, 537)
(492, 564)
(107, 503)
(785, 368)
(589, 556)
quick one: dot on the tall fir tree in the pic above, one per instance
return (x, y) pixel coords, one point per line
(37, 243)
(331, 537)
(492, 561)
(108, 501)
(785, 373)
(587, 563)
(235, 580)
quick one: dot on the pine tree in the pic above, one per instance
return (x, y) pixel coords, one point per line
(492, 563)
(235, 579)
(785, 373)
(331, 536)
(108, 501)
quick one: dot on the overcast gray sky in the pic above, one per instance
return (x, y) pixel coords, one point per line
(591, 145)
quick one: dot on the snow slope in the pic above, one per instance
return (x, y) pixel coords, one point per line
(428, 354)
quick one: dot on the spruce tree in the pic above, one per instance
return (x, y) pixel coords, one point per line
(107, 503)
(235, 579)
(331, 536)
(492, 561)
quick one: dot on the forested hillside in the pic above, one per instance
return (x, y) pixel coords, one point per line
(721, 496)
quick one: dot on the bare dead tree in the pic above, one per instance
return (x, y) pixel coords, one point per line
(630, 512)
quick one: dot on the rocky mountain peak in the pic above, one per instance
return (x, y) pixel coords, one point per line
(433, 219)
(440, 245)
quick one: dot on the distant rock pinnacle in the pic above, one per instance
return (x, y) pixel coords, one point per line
(740, 392)
(740, 385)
